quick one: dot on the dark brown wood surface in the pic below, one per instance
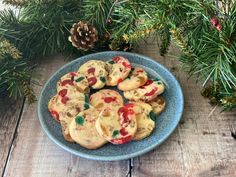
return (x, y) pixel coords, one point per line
(200, 146)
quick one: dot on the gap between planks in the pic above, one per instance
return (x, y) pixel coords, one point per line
(13, 138)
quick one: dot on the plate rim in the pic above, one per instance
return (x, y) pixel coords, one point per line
(108, 158)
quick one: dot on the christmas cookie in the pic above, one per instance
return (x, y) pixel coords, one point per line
(147, 92)
(82, 129)
(137, 78)
(145, 120)
(158, 104)
(65, 122)
(65, 105)
(73, 79)
(106, 98)
(95, 72)
(117, 125)
(119, 68)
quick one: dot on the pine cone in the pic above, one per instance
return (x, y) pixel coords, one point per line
(83, 35)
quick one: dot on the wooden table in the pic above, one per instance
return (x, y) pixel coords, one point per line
(200, 146)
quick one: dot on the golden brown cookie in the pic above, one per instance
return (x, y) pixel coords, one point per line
(82, 129)
(147, 92)
(145, 124)
(73, 79)
(158, 105)
(65, 105)
(95, 72)
(137, 78)
(119, 68)
(118, 125)
(106, 98)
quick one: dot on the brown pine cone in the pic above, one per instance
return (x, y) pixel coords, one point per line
(83, 35)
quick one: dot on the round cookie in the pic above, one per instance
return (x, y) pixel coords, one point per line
(117, 125)
(82, 129)
(65, 105)
(73, 79)
(137, 78)
(145, 122)
(147, 92)
(158, 105)
(95, 72)
(119, 68)
(106, 98)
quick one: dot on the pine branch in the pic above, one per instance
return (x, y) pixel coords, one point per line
(16, 3)
(14, 73)
(218, 96)
(96, 12)
(39, 35)
(28, 91)
(165, 37)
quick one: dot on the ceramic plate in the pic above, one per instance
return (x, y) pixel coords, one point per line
(166, 122)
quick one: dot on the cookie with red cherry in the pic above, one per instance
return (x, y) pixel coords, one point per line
(82, 129)
(73, 79)
(147, 92)
(117, 125)
(65, 105)
(106, 98)
(118, 68)
(137, 78)
(95, 72)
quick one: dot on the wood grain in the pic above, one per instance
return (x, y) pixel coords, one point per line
(201, 145)
(9, 115)
(34, 155)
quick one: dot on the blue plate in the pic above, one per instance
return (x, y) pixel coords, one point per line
(166, 122)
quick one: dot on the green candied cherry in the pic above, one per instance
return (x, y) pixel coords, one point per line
(152, 115)
(79, 79)
(103, 79)
(115, 133)
(79, 120)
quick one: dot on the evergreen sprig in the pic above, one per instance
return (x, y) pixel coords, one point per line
(16, 3)
(14, 73)
(41, 28)
(208, 51)
(96, 12)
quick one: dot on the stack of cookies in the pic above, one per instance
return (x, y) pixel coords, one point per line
(104, 117)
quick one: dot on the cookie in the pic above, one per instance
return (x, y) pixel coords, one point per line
(117, 125)
(147, 92)
(119, 68)
(158, 105)
(106, 98)
(95, 72)
(65, 105)
(137, 78)
(82, 129)
(73, 79)
(145, 120)
(65, 122)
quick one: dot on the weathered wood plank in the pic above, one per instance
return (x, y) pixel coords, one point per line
(9, 115)
(33, 154)
(201, 145)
